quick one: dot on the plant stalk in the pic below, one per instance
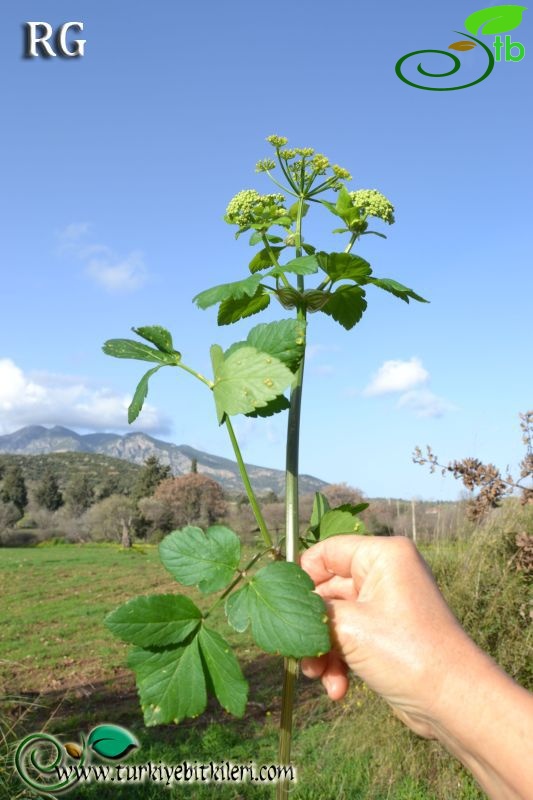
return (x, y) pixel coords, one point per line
(292, 532)
(248, 486)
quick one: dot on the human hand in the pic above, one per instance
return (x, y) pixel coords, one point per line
(390, 625)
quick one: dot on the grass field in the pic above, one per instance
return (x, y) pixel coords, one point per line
(61, 669)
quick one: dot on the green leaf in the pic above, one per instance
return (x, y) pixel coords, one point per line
(344, 201)
(353, 509)
(233, 310)
(274, 406)
(320, 506)
(141, 392)
(309, 249)
(495, 19)
(237, 610)
(205, 560)
(397, 289)
(337, 522)
(171, 682)
(129, 348)
(247, 380)
(111, 741)
(287, 617)
(158, 336)
(303, 265)
(346, 305)
(344, 266)
(226, 678)
(263, 259)
(373, 233)
(331, 207)
(155, 621)
(228, 291)
(293, 210)
(283, 339)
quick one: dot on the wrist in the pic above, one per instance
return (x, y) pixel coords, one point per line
(482, 717)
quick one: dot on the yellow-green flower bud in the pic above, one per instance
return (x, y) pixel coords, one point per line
(341, 173)
(264, 165)
(277, 141)
(320, 163)
(287, 154)
(307, 152)
(373, 203)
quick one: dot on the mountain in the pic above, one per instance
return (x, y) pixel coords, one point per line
(136, 447)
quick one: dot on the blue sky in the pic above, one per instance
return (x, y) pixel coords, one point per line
(116, 171)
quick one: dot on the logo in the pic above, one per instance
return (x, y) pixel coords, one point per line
(45, 764)
(488, 22)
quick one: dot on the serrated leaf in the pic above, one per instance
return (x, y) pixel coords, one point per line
(228, 291)
(158, 336)
(247, 380)
(336, 522)
(287, 617)
(111, 741)
(303, 265)
(495, 19)
(140, 394)
(156, 621)
(129, 348)
(205, 560)
(274, 406)
(236, 608)
(344, 266)
(346, 305)
(397, 289)
(320, 506)
(233, 310)
(309, 249)
(171, 682)
(226, 678)
(463, 45)
(283, 339)
(331, 207)
(264, 259)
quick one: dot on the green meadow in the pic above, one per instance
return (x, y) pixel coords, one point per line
(63, 672)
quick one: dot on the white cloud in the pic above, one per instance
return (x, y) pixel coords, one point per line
(124, 274)
(397, 376)
(425, 403)
(114, 272)
(45, 399)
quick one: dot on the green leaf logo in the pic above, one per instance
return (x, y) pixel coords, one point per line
(495, 19)
(111, 741)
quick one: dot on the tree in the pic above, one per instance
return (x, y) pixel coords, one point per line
(14, 488)
(9, 514)
(112, 519)
(192, 499)
(194, 465)
(79, 494)
(48, 494)
(150, 477)
(340, 493)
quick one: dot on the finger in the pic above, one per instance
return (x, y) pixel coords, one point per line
(335, 678)
(314, 667)
(346, 556)
(337, 589)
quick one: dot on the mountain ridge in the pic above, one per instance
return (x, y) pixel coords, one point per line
(137, 446)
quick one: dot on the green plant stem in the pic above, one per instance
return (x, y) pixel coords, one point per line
(292, 532)
(236, 581)
(196, 374)
(248, 486)
(350, 243)
(275, 261)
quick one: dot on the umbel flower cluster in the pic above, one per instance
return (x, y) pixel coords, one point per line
(308, 174)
